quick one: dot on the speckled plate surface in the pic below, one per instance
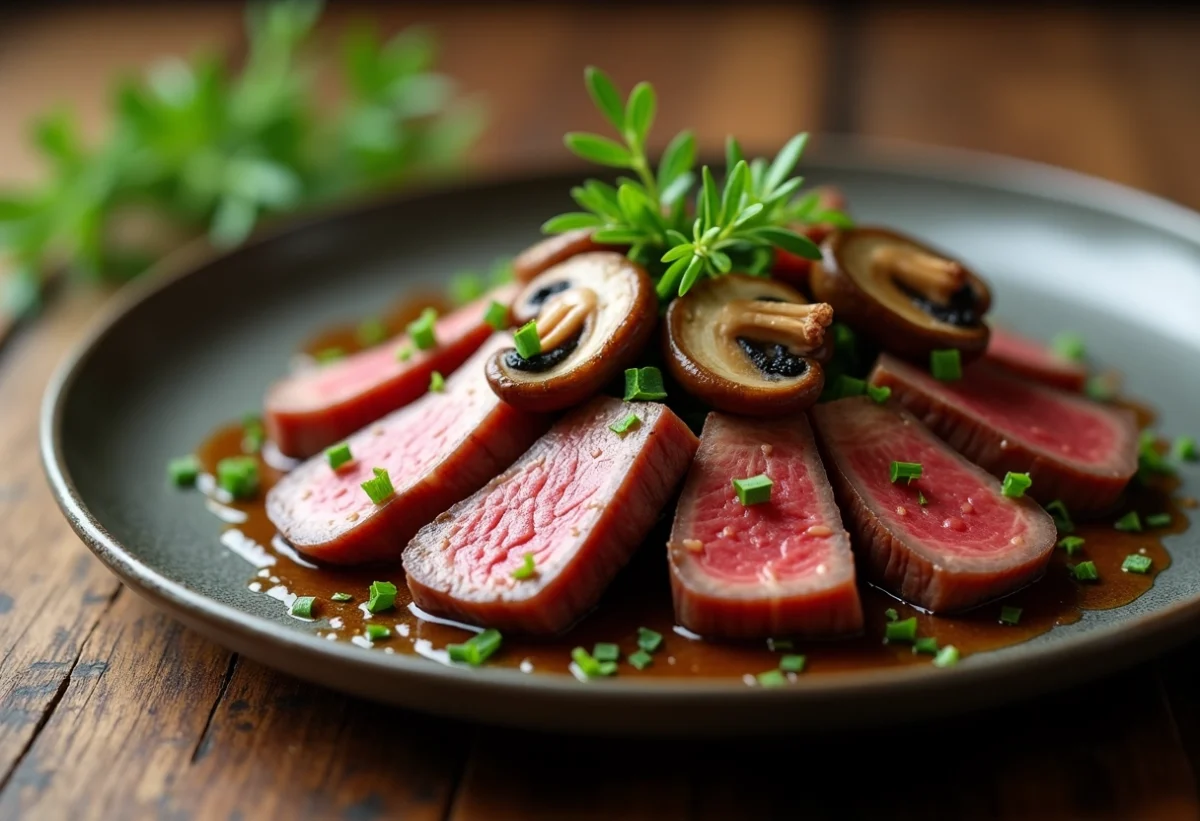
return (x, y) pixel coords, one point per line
(181, 352)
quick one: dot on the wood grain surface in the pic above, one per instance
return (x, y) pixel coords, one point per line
(110, 710)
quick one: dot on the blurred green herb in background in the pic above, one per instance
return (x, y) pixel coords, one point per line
(199, 147)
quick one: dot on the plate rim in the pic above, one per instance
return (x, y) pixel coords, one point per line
(1088, 654)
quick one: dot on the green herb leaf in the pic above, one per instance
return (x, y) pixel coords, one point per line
(639, 113)
(605, 96)
(571, 222)
(599, 150)
(785, 162)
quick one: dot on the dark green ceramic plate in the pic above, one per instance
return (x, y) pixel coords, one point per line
(190, 348)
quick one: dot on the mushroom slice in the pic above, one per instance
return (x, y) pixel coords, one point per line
(748, 345)
(910, 298)
(549, 252)
(595, 313)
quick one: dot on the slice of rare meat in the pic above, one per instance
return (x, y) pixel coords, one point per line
(1074, 449)
(581, 501)
(437, 450)
(777, 568)
(966, 545)
(317, 407)
(1033, 360)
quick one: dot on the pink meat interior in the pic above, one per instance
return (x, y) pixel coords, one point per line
(1007, 347)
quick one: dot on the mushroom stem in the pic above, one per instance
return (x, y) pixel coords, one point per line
(563, 316)
(799, 326)
(933, 276)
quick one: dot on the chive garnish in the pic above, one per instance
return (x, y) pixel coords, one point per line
(640, 660)
(771, 679)
(527, 341)
(466, 287)
(848, 386)
(905, 630)
(649, 640)
(477, 649)
(905, 470)
(590, 666)
(327, 355)
(383, 597)
(890, 614)
(753, 491)
(238, 476)
(793, 663)
(370, 331)
(437, 382)
(606, 651)
(342, 597)
(644, 384)
(183, 471)
(421, 330)
(921, 500)
(377, 632)
(1150, 461)
(496, 315)
(253, 434)
(1071, 544)
(1069, 346)
(1085, 572)
(527, 570)
(1010, 615)
(338, 455)
(1137, 563)
(946, 657)
(1015, 484)
(1185, 450)
(879, 393)
(302, 607)
(624, 426)
(404, 353)
(926, 644)
(946, 366)
(379, 489)
(1062, 517)
(1129, 523)
(1158, 520)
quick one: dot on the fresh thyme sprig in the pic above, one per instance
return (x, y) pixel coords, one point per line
(735, 226)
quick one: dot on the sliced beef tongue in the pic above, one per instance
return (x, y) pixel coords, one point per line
(967, 544)
(313, 409)
(581, 500)
(1033, 360)
(1074, 449)
(777, 568)
(437, 450)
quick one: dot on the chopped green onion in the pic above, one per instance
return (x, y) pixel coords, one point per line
(238, 476)
(592, 667)
(1069, 346)
(1185, 450)
(342, 597)
(649, 640)
(466, 287)
(624, 426)
(421, 330)
(338, 455)
(1071, 544)
(302, 607)
(1158, 520)
(848, 386)
(327, 355)
(608, 668)
(753, 491)
(1137, 563)
(792, 663)
(640, 660)
(772, 679)
(477, 649)
(926, 644)
(1062, 517)
(253, 434)
(644, 384)
(606, 651)
(1085, 572)
(527, 341)
(383, 597)
(377, 632)
(380, 488)
(1129, 523)
(879, 393)
(183, 471)
(1150, 460)
(1010, 615)
(404, 353)
(921, 500)
(947, 657)
(905, 470)
(370, 331)
(437, 382)
(1101, 387)
(1015, 484)
(496, 316)
(905, 630)
(946, 366)
(890, 614)
(527, 570)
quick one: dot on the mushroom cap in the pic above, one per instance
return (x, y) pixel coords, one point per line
(552, 250)
(875, 305)
(712, 365)
(612, 337)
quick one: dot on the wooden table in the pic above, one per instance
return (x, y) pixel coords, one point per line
(110, 710)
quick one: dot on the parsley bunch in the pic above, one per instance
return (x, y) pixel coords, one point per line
(733, 226)
(196, 147)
